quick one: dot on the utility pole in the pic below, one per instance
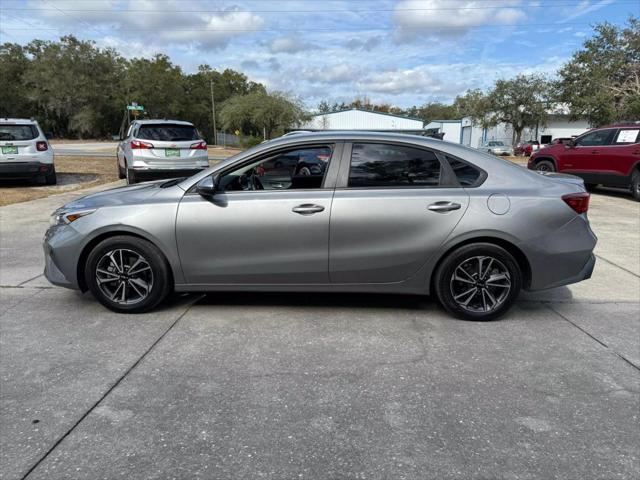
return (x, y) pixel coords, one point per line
(213, 115)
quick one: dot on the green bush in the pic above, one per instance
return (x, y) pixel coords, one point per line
(250, 141)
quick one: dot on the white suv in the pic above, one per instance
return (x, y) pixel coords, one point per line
(25, 151)
(161, 149)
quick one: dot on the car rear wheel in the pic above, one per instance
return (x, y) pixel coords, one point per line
(51, 178)
(480, 281)
(545, 166)
(635, 185)
(131, 177)
(121, 173)
(127, 274)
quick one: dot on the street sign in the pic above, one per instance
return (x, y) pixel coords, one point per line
(135, 107)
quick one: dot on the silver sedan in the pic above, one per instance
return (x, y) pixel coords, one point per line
(338, 211)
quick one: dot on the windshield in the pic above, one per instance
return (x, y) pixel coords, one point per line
(496, 144)
(167, 132)
(18, 132)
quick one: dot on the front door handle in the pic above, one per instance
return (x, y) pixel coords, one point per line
(307, 209)
(442, 207)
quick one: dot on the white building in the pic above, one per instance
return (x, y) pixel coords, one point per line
(356, 119)
(465, 132)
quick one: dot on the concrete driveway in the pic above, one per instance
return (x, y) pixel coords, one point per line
(286, 386)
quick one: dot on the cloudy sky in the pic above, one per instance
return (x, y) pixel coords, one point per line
(403, 52)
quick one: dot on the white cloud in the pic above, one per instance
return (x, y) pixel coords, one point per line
(289, 45)
(415, 18)
(172, 22)
(583, 8)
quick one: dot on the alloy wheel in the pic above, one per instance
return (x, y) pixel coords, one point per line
(124, 276)
(480, 284)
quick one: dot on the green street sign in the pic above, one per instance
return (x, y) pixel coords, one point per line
(135, 107)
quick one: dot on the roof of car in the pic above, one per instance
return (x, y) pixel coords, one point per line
(162, 120)
(29, 121)
(618, 125)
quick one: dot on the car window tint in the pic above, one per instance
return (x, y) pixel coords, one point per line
(379, 165)
(596, 139)
(168, 132)
(295, 169)
(466, 174)
(626, 136)
(17, 132)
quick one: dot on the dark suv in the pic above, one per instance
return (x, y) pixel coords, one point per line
(603, 156)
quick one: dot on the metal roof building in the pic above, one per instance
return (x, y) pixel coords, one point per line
(356, 119)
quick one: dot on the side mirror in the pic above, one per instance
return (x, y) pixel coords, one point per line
(570, 143)
(207, 186)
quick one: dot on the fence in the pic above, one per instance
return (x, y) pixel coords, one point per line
(228, 139)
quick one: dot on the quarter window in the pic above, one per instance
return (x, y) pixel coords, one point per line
(304, 168)
(598, 138)
(627, 136)
(466, 174)
(381, 165)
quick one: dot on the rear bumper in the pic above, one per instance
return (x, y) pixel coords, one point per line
(158, 174)
(562, 258)
(24, 169)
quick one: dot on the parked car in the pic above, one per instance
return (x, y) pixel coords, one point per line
(607, 155)
(526, 148)
(153, 149)
(390, 214)
(496, 147)
(25, 152)
(561, 140)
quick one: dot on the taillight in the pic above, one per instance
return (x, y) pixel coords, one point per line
(42, 146)
(138, 144)
(199, 146)
(579, 202)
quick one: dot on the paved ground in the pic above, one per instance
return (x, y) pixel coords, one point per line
(320, 386)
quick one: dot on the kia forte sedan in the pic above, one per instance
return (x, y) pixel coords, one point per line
(384, 213)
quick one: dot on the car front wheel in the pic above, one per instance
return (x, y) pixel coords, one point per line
(545, 166)
(127, 274)
(635, 185)
(479, 281)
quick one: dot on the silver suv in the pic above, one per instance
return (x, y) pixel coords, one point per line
(161, 149)
(25, 151)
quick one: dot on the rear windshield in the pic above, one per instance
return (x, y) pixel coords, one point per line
(18, 132)
(167, 132)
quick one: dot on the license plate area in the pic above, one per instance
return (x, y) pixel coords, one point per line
(10, 150)
(171, 152)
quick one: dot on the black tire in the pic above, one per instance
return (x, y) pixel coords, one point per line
(502, 262)
(131, 177)
(635, 185)
(545, 166)
(154, 271)
(50, 178)
(121, 173)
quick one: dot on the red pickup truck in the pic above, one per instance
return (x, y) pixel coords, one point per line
(607, 156)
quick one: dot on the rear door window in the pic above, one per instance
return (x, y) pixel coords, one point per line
(166, 132)
(10, 132)
(386, 165)
(627, 136)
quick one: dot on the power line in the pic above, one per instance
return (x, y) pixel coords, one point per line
(355, 29)
(321, 10)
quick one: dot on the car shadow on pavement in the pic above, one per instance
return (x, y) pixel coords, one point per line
(314, 299)
(64, 180)
(613, 192)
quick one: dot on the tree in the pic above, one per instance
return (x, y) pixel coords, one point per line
(14, 64)
(261, 112)
(601, 82)
(521, 102)
(436, 111)
(477, 105)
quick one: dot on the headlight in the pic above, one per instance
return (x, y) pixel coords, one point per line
(63, 218)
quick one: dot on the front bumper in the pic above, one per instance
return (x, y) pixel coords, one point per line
(61, 246)
(24, 169)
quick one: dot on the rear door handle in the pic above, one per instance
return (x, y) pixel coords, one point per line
(307, 209)
(595, 152)
(442, 207)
